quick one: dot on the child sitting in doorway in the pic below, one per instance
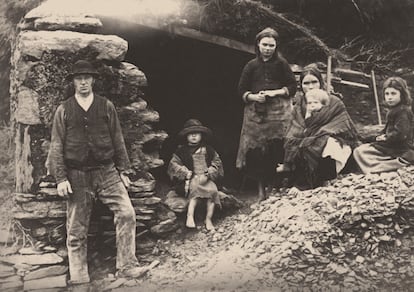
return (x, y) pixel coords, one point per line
(195, 168)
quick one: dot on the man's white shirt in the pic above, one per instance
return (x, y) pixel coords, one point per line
(84, 102)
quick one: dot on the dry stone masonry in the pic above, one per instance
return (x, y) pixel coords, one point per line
(46, 48)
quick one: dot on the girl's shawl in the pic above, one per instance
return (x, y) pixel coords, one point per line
(306, 139)
(185, 153)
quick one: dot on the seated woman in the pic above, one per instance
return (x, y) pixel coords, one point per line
(319, 141)
(392, 149)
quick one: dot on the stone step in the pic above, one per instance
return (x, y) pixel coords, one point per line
(45, 283)
(43, 259)
(54, 270)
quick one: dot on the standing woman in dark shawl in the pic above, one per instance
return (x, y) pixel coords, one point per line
(266, 85)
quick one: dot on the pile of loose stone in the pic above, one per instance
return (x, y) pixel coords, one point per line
(353, 233)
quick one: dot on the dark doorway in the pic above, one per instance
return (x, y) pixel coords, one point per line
(191, 79)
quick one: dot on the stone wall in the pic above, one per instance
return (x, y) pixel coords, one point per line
(46, 49)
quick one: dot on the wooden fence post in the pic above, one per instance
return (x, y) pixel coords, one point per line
(374, 87)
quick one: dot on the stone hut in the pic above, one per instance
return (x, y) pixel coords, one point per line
(193, 74)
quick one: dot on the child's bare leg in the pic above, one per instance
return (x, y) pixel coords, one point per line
(209, 216)
(190, 213)
(261, 190)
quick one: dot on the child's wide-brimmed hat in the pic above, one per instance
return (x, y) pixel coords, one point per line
(194, 126)
(82, 67)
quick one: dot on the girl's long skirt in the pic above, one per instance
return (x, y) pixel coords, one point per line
(371, 160)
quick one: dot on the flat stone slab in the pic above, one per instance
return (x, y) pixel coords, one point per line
(23, 197)
(142, 186)
(73, 23)
(43, 259)
(165, 227)
(141, 195)
(176, 203)
(28, 111)
(47, 184)
(22, 268)
(35, 43)
(143, 210)
(13, 285)
(145, 201)
(45, 283)
(46, 272)
(158, 137)
(12, 278)
(132, 74)
(48, 191)
(43, 209)
(6, 271)
(30, 250)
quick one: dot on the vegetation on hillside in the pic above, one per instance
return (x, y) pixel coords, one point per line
(375, 34)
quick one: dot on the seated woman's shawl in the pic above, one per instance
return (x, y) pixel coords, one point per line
(306, 139)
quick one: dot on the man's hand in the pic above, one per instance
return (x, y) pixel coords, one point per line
(64, 189)
(125, 180)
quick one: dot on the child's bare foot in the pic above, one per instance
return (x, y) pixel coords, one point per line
(294, 191)
(190, 222)
(209, 225)
(280, 167)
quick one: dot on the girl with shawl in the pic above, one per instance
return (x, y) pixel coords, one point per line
(266, 86)
(317, 148)
(392, 149)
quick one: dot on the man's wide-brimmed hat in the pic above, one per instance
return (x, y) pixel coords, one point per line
(194, 126)
(82, 67)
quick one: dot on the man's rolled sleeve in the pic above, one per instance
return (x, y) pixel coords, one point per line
(55, 159)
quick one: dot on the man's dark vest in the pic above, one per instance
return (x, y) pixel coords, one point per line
(88, 140)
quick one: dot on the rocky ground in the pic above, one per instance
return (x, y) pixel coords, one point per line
(354, 234)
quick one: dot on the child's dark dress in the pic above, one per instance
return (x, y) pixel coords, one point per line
(200, 160)
(386, 155)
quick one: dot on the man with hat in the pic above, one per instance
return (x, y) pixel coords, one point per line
(88, 158)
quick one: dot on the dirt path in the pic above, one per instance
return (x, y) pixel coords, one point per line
(204, 261)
